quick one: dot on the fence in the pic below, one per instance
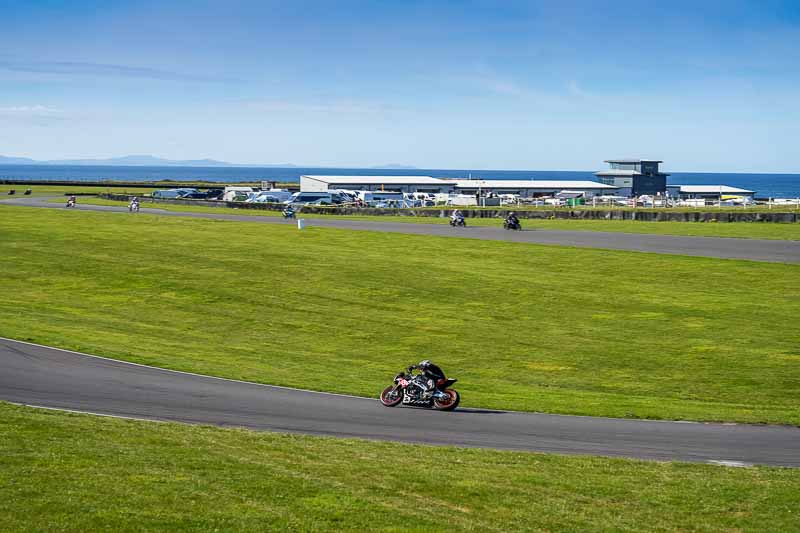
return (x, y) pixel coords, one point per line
(587, 213)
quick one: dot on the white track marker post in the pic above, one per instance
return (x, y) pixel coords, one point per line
(301, 223)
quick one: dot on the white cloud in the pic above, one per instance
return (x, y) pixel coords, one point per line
(37, 110)
(80, 68)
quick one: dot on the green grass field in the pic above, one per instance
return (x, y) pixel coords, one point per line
(67, 472)
(744, 230)
(521, 326)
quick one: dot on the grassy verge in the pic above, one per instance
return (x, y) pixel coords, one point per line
(524, 327)
(114, 187)
(61, 190)
(743, 230)
(70, 472)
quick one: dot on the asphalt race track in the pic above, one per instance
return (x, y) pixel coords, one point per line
(48, 377)
(726, 248)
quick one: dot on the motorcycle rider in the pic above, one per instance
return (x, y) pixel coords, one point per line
(71, 201)
(457, 216)
(431, 374)
(512, 220)
(288, 211)
(134, 204)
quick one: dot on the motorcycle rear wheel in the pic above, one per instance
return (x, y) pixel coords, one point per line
(388, 400)
(455, 399)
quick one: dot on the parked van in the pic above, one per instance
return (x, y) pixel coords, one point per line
(377, 197)
(271, 195)
(462, 200)
(237, 194)
(316, 198)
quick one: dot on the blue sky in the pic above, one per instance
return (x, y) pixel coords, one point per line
(706, 86)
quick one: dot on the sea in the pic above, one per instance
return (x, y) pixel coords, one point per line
(765, 185)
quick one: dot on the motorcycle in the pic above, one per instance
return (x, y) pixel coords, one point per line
(288, 214)
(458, 222)
(508, 224)
(70, 203)
(133, 207)
(409, 389)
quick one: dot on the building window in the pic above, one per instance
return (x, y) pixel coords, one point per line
(626, 166)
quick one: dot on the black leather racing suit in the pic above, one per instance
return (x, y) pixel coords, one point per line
(432, 375)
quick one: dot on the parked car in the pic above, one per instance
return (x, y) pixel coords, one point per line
(196, 195)
(168, 193)
(263, 198)
(347, 196)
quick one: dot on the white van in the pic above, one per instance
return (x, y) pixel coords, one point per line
(377, 197)
(237, 194)
(464, 200)
(315, 198)
(269, 196)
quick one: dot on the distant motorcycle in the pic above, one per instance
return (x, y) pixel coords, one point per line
(133, 207)
(458, 222)
(409, 389)
(70, 203)
(288, 214)
(512, 225)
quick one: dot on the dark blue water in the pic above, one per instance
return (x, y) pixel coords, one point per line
(765, 185)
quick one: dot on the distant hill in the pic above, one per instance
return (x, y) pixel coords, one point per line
(133, 161)
(17, 161)
(394, 166)
(142, 160)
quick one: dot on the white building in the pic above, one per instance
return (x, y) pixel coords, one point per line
(712, 192)
(524, 188)
(376, 183)
(534, 188)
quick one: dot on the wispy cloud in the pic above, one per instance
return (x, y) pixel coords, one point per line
(501, 86)
(79, 68)
(573, 89)
(489, 81)
(37, 110)
(328, 107)
(33, 114)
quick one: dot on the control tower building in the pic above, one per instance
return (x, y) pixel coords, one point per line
(635, 177)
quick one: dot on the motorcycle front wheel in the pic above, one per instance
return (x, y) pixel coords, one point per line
(450, 404)
(391, 397)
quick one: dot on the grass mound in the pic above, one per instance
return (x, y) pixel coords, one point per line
(523, 327)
